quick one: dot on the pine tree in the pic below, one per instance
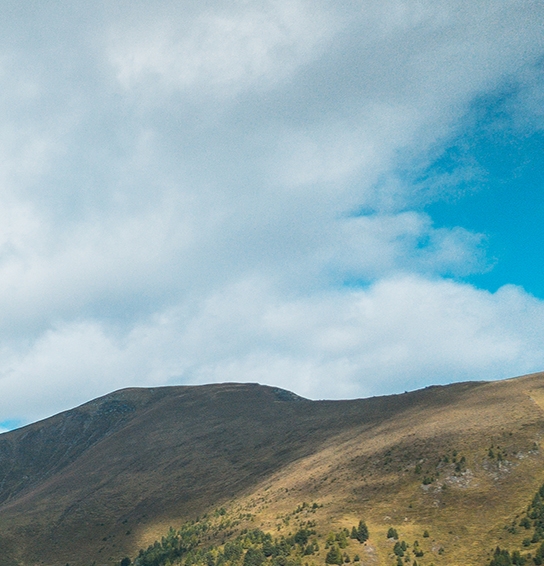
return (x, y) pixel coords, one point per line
(392, 533)
(334, 556)
(362, 532)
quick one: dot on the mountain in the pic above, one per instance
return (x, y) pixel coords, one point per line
(99, 482)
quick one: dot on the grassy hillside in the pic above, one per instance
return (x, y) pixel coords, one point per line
(459, 463)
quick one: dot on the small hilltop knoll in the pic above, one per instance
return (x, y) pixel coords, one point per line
(250, 475)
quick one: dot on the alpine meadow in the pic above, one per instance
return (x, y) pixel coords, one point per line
(250, 475)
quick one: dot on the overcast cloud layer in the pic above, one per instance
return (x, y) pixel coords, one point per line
(193, 192)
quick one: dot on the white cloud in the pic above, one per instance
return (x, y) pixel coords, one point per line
(180, 188)
(400, 333)
(374, 246)
(219, 49)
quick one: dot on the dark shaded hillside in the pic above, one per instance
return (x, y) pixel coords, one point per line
(102, 480)
(86, 477)
(35, 452)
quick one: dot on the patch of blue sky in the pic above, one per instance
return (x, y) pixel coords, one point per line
(498, 162)
(10, 424)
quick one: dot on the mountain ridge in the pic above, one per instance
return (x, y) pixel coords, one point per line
(111, 475)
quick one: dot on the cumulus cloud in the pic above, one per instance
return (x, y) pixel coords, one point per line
(197, 192)
(400, 333)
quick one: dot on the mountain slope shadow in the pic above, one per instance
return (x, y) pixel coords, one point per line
(84, 485)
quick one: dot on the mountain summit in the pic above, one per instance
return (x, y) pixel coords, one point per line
(460, 463)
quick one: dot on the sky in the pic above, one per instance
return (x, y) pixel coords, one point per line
(340, 199)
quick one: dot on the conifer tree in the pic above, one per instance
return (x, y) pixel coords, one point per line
(334, 556)
(362, 532)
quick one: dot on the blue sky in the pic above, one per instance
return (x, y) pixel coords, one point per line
(341, 200)
(504, 200)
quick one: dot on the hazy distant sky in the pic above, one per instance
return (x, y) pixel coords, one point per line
(339, 198)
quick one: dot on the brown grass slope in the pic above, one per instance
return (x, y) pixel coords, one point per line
(96, 483)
